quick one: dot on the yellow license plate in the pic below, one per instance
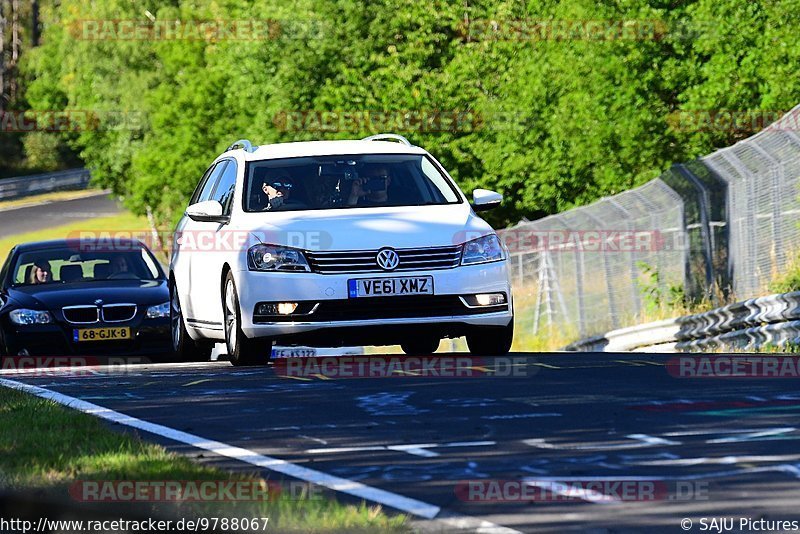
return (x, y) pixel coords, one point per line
(101, 334)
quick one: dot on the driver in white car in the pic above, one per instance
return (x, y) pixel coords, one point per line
(278, 191)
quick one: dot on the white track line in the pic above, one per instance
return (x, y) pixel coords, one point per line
(393, 500)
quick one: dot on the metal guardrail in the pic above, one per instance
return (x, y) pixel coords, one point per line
(11, 188)
(750, 324)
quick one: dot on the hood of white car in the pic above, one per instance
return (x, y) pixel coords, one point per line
(367, 228)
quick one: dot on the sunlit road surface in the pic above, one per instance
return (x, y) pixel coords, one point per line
(599, 441)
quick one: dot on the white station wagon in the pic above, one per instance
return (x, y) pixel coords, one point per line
(336, 243)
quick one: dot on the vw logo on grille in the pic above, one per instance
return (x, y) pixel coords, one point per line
(388, 259)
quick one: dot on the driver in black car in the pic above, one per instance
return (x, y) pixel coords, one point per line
(119, 265)
(41, 273)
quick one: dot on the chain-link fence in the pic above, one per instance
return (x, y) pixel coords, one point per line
(718, 227)
(584, 267)
(763, 175)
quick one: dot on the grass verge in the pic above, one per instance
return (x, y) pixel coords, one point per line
(123, 222)
(46, 447)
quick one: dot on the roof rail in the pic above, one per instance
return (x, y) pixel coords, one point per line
(242, 143)
(386, 137)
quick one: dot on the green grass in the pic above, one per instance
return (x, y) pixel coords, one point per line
(788, 279)
(124, 222)
(45, 447)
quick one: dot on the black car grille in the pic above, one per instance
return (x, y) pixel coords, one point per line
(110, 313)
(117, 313)
(411, 307)
(365, 261)
(81, 314)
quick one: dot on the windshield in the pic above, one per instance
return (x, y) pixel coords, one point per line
(337, 182)
(65, 265)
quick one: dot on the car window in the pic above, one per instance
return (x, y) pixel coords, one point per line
(69, 265)
(207, 182)
(346, 181)
(223, 192)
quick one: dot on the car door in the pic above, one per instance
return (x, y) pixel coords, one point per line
(187, 257)
(215, 244)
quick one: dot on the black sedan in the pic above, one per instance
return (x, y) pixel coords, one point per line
(84, 297)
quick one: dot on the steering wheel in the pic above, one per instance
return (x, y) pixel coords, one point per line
(122, 276)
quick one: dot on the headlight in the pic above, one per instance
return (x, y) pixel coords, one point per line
(158, 312)
(276, 258)
(24, 316)
(483, 250)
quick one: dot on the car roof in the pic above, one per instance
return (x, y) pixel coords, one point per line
(329, 148)
(59, 243)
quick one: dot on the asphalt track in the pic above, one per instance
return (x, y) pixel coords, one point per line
(42, 216)
(712, 447)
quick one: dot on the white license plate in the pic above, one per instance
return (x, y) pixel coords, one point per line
(390, 287)
(294, 353)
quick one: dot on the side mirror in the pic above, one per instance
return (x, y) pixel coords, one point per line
(208, 211)
(483, 199)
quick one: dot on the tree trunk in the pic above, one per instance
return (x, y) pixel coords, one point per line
(12, 82)
(2, 55)
(34, 23)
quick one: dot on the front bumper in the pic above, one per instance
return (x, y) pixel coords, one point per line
(149, 337)
(444, 313)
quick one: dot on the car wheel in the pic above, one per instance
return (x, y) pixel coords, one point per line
(421, 347)
(491, 340)
(241, 349)
(183, 346)
(3, 350)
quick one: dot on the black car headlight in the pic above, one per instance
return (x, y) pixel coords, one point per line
(263, 257)
(25, 317)
(483, 250)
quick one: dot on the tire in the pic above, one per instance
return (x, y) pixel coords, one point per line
(242, 350)
(421, 347)
(184, 348)
(491, 340)
(3, 350)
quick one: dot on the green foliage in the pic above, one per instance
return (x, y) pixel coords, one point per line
(659, 294)
(789, 280)
(42, 150)
(567, 120)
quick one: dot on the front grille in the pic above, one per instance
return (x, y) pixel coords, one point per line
(81, 314)
(410, 307)
(110, 313)
(365, 261)
(118, 313)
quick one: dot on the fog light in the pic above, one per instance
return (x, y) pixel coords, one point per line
(490, 299)
(276, 308)
(286, 308)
